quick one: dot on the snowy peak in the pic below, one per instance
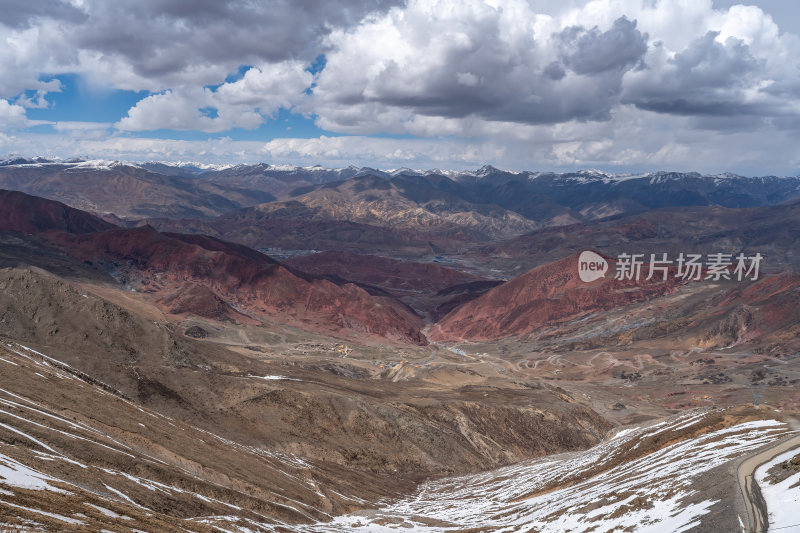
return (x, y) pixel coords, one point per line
(728, 175)
(100, 164)
(405, 171)
(12, 160)
(188, 165)
(486, 172)
(662, 177)
(68, 164)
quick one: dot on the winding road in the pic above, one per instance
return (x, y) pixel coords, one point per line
(754, 504)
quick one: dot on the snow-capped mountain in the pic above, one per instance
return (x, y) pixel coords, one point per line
(543, 198)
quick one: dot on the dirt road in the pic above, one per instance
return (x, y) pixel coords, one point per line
(754, 504)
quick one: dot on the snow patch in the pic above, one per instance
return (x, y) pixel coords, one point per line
(60, 517)
(782, 498)
(272, 378)
(15, 474)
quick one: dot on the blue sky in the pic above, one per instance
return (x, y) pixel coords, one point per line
(620, 85)
(80, 101)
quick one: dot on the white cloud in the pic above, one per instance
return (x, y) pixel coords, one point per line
(522, 83)
(12, 116)
(156, 45)
(269, 87)
(501, 61)
(82, 126)
(182, 109)
(637, 141)
(89, 144)
(456, 59)
(241, 104)
(96, 131)
(26, 54)
(417, 153)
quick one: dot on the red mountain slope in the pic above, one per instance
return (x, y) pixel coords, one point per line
(238, 276)
(545, 295)
(253, 282)
(31, 214)
(381, 271)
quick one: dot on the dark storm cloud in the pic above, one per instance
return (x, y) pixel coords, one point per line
(159, 37)
(17, 14)
(707, 78)
(554, 71)
(594, 52)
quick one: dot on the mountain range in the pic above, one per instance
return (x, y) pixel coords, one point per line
(262, 348)
(258, 205)
(351, 293)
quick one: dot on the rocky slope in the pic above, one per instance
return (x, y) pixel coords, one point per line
(671, 476)
(134, 420)
(449, 211)
(765, 311)
(546, 295)
(155, 262)
(383, 272)
(770, 231)
(277, 180)
(403, 202)
(31, 214)
(540, 196)
(184, 382)
(159, 263)
(258, 230)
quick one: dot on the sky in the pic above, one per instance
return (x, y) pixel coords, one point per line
(616, 85)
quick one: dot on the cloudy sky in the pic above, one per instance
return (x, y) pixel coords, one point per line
(619, 85)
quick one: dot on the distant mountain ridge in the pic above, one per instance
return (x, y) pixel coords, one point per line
(123, 189)
(347, 294)
(185, 168)
(285, 206)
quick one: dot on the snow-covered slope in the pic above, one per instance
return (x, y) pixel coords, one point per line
(781, 496)
(59, 469)
(607, 488)
(125, 467)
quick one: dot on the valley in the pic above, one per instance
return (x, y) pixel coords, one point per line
(418, 354)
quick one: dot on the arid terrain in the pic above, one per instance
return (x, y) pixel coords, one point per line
(306, 349)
